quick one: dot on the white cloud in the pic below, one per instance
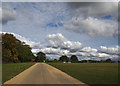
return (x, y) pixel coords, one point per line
(55, 51)
(58, 40)
(103, 55)
(110, 50)
(92, 26)
(36, 50)
(86, 52)
(7, 14)
(88, 49)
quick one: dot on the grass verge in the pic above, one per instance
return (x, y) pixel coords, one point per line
(12, 69)
(91, 73)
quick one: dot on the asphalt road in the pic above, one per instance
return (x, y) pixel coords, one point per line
(42, 73)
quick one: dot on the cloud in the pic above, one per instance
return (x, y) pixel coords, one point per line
(110, 50)
(88, 9)
(55, 51)
(59, 41)
(7, 14)
(36, 50)
(90, 18)
(88, 49)
(86, 52)
(92, 26)
(59, 45)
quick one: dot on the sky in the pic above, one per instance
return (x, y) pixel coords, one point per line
(86, 29)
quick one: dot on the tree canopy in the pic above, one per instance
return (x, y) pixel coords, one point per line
(64, 58)
(40, 57)
(74, 58)
(13, 50)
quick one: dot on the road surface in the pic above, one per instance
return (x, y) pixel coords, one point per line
(42, 73)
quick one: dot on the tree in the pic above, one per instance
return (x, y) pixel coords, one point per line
(108, 60)
(74, 58)
(5, 55)
(9, 42)
(24, 52)
(13, 50)
(40, 57)
(64, 58)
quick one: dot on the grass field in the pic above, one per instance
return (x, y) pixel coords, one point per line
(12, 69)
(91, 73)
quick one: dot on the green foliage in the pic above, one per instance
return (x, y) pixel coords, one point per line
(64, 58)
(25, 53)
(9, 45)
(5, 54)
(74, 58)
(108, 60)
(14, 50)
(40, 57)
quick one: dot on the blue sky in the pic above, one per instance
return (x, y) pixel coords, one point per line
(40, 23)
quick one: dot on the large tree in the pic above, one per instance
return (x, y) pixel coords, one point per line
(64, 58)
(74, 58)
(9, 45)
(108, 60)
(24, 52)
(13, 50)
(40, 57)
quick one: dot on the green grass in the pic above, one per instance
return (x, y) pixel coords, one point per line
(12, 69)
(91, 73)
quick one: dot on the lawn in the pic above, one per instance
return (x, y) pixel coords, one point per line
(12, 69)
(91, 73)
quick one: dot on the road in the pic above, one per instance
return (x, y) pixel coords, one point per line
(42, 73)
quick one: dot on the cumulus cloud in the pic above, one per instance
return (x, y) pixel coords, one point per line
(60, 45)
(88, 49)
(110, 50)
(55, 51)
(103, 55)
(86, 52)
(58, 40)
(7, 14)
(87, 18)
(92, 26)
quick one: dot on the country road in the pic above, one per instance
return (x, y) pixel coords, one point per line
(42, 73)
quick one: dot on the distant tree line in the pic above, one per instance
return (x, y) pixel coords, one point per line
(73, 59)
(95, 61)
(13, 50)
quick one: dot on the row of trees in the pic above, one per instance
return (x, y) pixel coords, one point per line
(64, 58)
(96, 61)
(13, 50)
(42, 57)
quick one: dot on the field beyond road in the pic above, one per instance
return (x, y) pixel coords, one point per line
(12, 69)
(91, 73)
